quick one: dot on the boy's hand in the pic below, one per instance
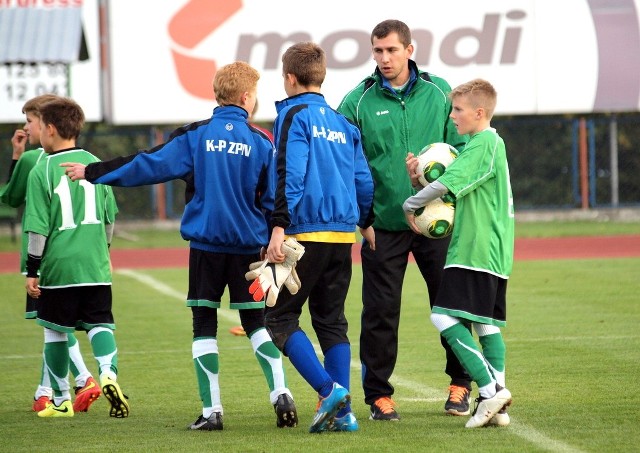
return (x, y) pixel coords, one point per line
(411, 220)
(275, 253)
(32, 287)
(74, 170)
(370, 236)
(18, 143)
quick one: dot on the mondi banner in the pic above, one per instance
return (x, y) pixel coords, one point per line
(569, 56)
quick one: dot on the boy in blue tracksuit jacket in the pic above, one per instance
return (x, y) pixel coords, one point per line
(226, 170)
(324, 188)
(227, 165)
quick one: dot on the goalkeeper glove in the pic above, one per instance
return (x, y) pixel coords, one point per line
(268, 278)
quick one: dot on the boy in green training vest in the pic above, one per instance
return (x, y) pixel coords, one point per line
(480, 255)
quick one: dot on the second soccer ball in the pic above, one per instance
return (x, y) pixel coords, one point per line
(435, 220)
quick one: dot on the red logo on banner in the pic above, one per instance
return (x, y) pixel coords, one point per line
(188, 28)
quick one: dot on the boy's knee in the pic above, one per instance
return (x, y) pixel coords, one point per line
(53, 336)
(280, 332)
(443, 322)
(204, 322)
(251, 319)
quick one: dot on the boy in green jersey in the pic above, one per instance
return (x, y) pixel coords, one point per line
(480, 255)
(70, 225)
(14, 194)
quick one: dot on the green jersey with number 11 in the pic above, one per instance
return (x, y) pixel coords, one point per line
(483, 230)
(72, 215)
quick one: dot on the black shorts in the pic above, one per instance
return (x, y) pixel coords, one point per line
(31, 310)
(472, 295)
(210, 273)
(75, 308)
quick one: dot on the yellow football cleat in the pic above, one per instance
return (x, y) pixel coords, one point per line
(64, 410)
(117, 399)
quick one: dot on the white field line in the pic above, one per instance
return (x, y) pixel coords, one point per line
(427, 393)
(535, 437)
(573, 338)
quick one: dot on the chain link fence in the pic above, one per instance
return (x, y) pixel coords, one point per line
(567, 162)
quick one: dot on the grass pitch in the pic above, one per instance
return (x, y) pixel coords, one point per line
(573, 351)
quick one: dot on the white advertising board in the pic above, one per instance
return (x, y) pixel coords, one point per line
(542, 56)
(28, 32)
(570, 56)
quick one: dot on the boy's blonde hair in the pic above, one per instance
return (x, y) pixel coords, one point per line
(306, 61)
(232, 81)
(65, 114)
(33, 104)
(480, 94)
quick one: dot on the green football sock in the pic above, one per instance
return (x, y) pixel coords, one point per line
(467, 352)
(206, 362)
(103, 344)
(494, 351)
(56, 365)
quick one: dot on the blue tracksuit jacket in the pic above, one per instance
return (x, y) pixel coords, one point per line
(323, 178)
(227, 165)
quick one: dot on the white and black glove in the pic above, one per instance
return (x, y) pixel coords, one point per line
(268, 278)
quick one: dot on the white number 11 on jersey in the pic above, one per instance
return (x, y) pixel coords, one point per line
(66, 204)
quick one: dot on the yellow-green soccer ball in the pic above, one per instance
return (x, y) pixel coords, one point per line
(435, 220)
(433, 159)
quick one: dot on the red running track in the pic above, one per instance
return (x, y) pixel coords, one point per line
(525, 249)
